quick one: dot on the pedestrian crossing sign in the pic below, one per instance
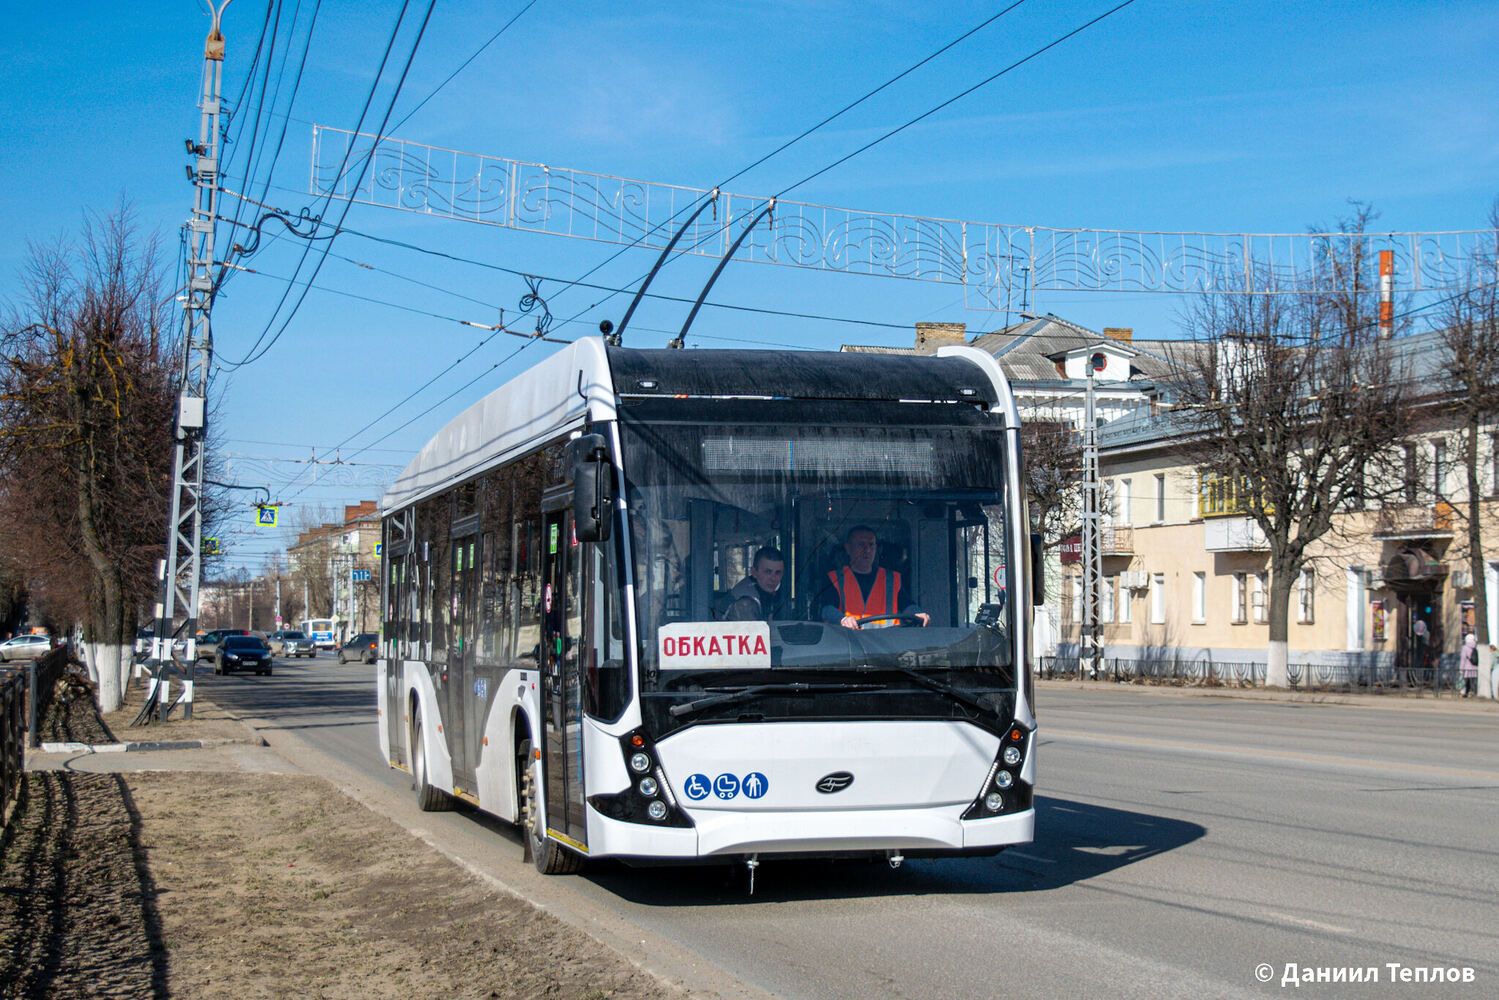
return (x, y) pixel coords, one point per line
(265, 515)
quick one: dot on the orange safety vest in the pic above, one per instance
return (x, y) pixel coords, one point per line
(884, 596)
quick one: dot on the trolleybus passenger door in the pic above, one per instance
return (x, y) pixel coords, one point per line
(561, 671)
(460, 686)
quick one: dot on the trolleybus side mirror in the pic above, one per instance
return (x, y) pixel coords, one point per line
(593, 499)
(1038, 572)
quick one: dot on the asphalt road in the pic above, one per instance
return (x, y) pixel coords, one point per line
(1183, 843)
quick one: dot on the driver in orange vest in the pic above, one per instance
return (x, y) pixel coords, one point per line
(858, 590)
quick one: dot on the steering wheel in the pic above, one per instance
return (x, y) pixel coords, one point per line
(892, 619)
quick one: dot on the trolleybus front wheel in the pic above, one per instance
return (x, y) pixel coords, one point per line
(549, 857)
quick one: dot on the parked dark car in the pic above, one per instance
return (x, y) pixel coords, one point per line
(292, 642)
(208, 642)
(242, 652)
(364, 647)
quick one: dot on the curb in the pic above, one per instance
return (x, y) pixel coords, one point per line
(143, 745)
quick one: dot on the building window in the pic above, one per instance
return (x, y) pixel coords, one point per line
(1125, 594)
(1122, 493)
(1075, 585)
(1106, 609)
(1160, 497)
(1158, 599)
(1357, 598)
(1412, 485)
(1494, 460)
(1438, 470)
(1306, 598)
(1241, 598)
(1199, 598)
(1261, 598)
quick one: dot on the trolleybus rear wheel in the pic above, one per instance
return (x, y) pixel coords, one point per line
(428, 799)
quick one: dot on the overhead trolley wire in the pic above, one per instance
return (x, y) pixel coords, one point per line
(258, 351)
(788, 144)
(464, 65)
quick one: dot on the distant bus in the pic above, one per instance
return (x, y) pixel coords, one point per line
(320, 631)
(555, 565)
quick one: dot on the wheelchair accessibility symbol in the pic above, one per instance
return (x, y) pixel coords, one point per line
(697, 787)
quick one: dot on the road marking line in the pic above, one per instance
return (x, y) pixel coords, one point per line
(1031, 857)
(1386, 767)
(1314, 924)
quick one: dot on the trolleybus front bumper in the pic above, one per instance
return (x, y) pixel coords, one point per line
(912, 832)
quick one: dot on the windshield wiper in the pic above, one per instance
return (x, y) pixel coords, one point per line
(957, 694)
(750, 693)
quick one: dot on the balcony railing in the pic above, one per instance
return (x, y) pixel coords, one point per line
(1117, 541)
(1220, 497)
(1414, 522)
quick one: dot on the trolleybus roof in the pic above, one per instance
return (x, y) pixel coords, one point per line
(585, 377)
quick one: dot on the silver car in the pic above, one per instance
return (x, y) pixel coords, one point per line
(292, 642)
(25, 647)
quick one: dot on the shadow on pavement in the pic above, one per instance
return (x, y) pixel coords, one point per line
(1075, 841)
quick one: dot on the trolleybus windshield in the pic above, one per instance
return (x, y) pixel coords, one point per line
(711, 483)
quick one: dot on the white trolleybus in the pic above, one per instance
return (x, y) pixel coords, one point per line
(669, 606)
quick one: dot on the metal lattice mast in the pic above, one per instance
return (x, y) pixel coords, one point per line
(182, 572)
(1090, 647)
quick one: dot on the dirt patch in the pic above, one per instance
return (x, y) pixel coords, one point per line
(281, 886)
(209, 884)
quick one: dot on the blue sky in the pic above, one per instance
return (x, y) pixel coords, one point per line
(1214, 117)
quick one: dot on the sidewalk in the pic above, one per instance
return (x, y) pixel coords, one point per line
(1400, 702)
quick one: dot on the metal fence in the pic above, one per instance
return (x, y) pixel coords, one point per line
(12, 742)
(44, 674)
(1367, 678)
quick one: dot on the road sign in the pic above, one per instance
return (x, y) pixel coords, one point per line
(379, 548)
(359, 575)
(265, 515)
(210, 546)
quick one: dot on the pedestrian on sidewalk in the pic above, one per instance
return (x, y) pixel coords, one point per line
(1469, 663)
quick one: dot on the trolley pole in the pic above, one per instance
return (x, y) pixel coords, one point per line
(182, 573)
(1090, 645)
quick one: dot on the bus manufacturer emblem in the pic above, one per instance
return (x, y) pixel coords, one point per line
(835, 782)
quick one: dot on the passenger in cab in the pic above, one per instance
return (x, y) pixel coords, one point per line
(758, 596)
(859, 590)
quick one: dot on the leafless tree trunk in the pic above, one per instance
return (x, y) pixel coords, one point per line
(1471, 335)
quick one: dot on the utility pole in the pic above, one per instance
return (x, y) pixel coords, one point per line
(183, 571)
(1090, 646)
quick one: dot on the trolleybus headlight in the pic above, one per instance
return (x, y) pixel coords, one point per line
(648, 787)
(640, 763)
(656, 810)
(994, 802)
(1003, 779)
(1012, 756)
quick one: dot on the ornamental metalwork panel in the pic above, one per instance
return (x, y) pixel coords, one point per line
(999, 264)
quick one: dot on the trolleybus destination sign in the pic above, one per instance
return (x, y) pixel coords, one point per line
(714, 645)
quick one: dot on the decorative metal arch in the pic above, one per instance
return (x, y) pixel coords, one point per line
(999, 264)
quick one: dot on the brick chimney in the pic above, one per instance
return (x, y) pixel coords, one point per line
(1124, 333)
(353, 512)
(930, 336)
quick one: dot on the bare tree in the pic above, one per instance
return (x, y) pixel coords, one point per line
(1053, 474)
(1295, 407)
(87, 390)
(1470, 333)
